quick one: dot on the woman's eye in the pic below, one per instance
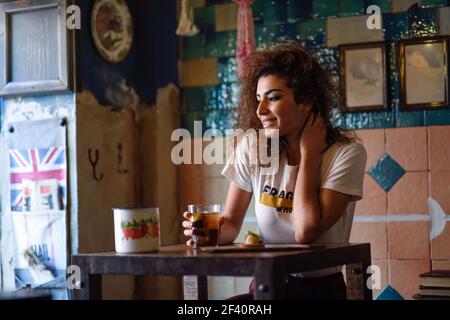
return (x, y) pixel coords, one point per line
(274, 98)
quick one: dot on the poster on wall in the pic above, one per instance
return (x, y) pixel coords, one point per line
(38, 174)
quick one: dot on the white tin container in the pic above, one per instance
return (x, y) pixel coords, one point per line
(136, 229)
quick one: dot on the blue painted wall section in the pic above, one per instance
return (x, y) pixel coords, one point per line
(150, 64)
(305, 21)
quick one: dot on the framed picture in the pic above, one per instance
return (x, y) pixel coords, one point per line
(112, 29)
(36, 48)
(423, 70)
(363, 79)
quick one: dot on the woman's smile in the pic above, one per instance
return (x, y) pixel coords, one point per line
(269, 123)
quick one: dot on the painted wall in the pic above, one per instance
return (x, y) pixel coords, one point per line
(150, 64)
(114, 112)
(408, 150)
(117, 105)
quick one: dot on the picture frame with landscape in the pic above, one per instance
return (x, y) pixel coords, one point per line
(423, 73)
(363, 77)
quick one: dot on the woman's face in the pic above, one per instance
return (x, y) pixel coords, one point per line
(277, 108)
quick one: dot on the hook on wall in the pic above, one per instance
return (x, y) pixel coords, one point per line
(94, 164)
(63, 122)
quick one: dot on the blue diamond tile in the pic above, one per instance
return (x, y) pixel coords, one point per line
(386, 172)
(389, 293)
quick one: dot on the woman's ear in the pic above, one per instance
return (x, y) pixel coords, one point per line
(308, 107)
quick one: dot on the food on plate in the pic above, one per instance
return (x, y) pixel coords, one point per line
(252, 239)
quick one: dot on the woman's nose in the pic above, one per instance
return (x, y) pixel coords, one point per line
(262, 107)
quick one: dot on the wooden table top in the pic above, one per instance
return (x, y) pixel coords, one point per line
(183, 251)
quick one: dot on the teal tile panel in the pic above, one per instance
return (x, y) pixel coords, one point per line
(434, 3)
(220, 44)
(385, 5)
(312, 33)
(437, 117)
(258, 8)
(351, 8)
(266, 34)
(193, 99)
(396, 26)
(275, 12)
(227, 70)
(356, 120)
(299, 10)
(205, 18)
(423, 22)
(194, 47)
(382, 119)
(325, 8)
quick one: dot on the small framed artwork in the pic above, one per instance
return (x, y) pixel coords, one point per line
(363, 79)
(423, 71)
(36, 47)
(112, 29)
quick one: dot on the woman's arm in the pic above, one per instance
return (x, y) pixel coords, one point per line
(314, 212)
(236, 206)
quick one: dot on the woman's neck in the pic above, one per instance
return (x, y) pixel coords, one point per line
(293, 147)
(293, 150)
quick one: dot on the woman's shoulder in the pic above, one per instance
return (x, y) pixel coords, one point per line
(242, 148)
(243, 144)
(343, 149)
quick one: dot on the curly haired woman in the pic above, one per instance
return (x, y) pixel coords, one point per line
(312, 196)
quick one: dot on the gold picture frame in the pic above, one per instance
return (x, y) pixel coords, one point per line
(423, 73)
(363, 77)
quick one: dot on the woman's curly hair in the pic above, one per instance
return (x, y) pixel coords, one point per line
(310, 82)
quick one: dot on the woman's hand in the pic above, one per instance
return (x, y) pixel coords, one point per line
(313, 139)
(187, 227)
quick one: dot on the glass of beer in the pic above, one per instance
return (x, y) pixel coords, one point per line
(205, 221)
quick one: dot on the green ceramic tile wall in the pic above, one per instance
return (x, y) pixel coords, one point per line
(304, 20)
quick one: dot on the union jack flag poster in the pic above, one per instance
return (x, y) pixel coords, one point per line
(38, 188)
(37, 165)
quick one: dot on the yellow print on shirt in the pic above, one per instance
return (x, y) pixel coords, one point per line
(282, 201)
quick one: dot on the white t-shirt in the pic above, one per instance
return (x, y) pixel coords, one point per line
(341, 169)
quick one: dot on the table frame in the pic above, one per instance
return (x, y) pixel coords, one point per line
(268, 268)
